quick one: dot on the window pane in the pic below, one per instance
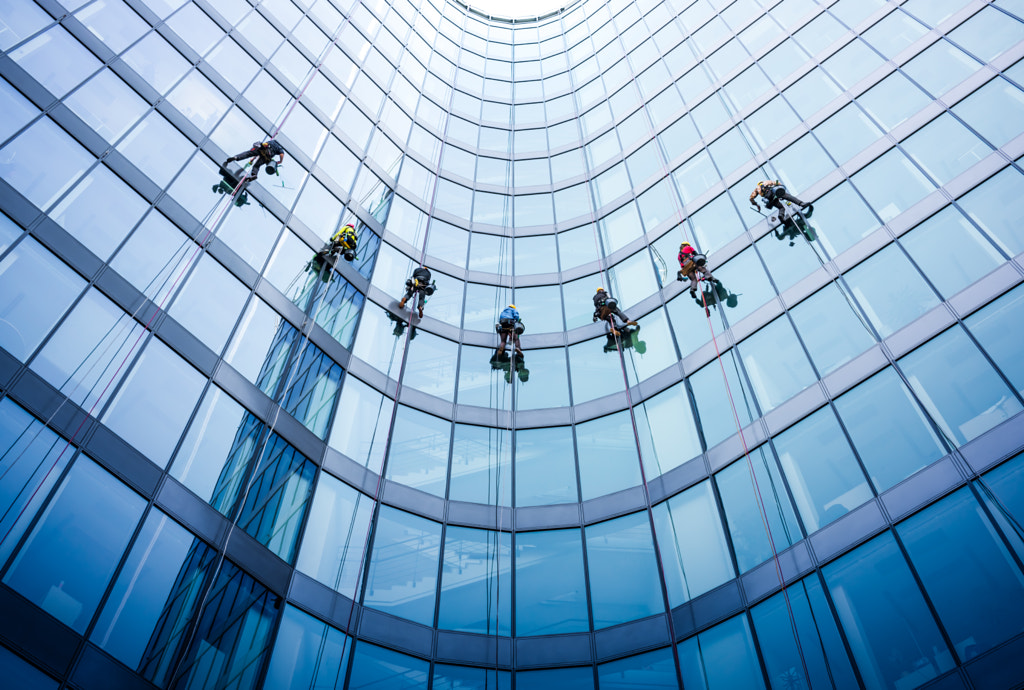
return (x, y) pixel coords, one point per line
(953, 547)
(695, 560)
(890, 630)
(890, 290)
(476, 582)
(545, 466)
(968, 404)
(892, 184)
(68, 560)
(822, 471)
(624, 582)
(308, 653)
(721, 658)
(651, 670)
(23, 168)
(419, 450)
(994, 206)
(335, 536)
(888, 429)
(607, 453)
(776, 364)
(100, 211)
(995, 327)
(403, 566)
(550, 588)
(945, 148)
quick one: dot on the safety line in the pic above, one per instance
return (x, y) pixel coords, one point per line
(200, 245)
(757, 490)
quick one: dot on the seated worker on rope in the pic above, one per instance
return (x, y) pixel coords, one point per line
(509, 323)
(605, 307)
(421, 284)
(342, 242)
(774, 193)
(692, 263)
(263, 152)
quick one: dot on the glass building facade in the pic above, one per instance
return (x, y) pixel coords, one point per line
(223, 465)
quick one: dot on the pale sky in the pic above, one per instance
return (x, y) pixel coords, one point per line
(517, 9)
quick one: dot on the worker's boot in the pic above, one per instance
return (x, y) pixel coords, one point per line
(631, 323)
(401, 303)
(421, 312)
(501, 350)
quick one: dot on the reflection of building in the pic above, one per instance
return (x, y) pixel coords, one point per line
(203, 510)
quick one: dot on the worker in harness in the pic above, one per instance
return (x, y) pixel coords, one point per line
(692, 263)
(263, 152)
(605, 307)
(509, 324)
(774, 193)
(421, 284)
(343, 242)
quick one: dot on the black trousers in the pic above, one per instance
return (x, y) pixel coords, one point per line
(260, 161)
(780, 193)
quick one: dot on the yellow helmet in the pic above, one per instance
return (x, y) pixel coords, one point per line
(684, 244)
(265, 143)
(600, 289)
(511, 306)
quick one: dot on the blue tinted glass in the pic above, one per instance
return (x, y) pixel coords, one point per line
(608, 456)
(945, 148)
(788, 255)
(847, 133)
(557, 679)
(713, 393)
(953, 547)
(820, 646)
(968, 404)
(403, 565)
(995, 327)
(447, 677)
(993, 206)
(153, 423)
(654, 669)
(100, 211)
(32, 459)
(210, 320)
(165, 569)
(894, 642)
(745, 282)
(941, 66)
(830, 328)
(993, 109)
(623, 589)
(668, 434)
(721, 658)
(35, 289)
(892, 184)
(822, 471)
(360, 427)
(335, 537)
(56, 60)
(928, 244)
(695, 560)
(596, 370)
(476, 582)
(307, 653)
(481, 465)
(742, 498)
(419, 450)
(21, 674)
(889, 431)
(890, 290)
(550, 588)
(67, 561)
(545, 466)
(776, 364)
(842, 219)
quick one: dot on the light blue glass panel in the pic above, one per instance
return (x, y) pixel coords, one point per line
(929, 245)
(481, 465)
(418, 455)
(100, 211)
(56, 60)
(153, 423)
(742, 498)
(892, 184)
(36, 288)
(32, 459)
(163, 574)
(714, 226)
(17, 109)
(988, 33)
(69, 558)
(210, 320)
(541, 307)
(744, 279)
(550, 587)
(788, 255)
(476, 582)
(995, 327)
(802, 164)
(994, 205)
(157, 148)
(695, 560)
(23, 168)
(536, 254)
(655, 669)
(545, 466)
(607, 455)
(624, 577)
(403, 566)
(994, 111)
(334, 543)
(965, 405)
(430, 365)
(668, 433)
(595, 368)
(308, 653)
(820, 649)
(695, 176)
(776, 364)
(933, 12)
(852, 62)
(107, 104)
(941, 66)
(890, 290)
(712, 394)
(823, 473)
(842, 219)
(945, 148)
(490, 253)
(892, 634)
(21, 19)
(771, 121)
(889, 431)
(545, 382)
(847, 133)
(721, 658)
(953, 547)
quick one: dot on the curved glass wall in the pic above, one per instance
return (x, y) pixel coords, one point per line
(226, 462)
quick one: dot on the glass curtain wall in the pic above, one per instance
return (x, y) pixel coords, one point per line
(232, 457)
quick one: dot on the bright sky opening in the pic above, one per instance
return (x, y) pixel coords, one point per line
(517, 9)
